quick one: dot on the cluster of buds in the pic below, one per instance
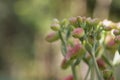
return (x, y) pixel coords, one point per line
(85, 38)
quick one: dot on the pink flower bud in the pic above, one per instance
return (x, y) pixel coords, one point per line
(73, 20)
(110, 42)
(116, 32)
(51, 37)
(76, 51)
(78, 32)
(101, 63)
(70, 77)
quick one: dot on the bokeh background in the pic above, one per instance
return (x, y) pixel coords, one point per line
(24, 54)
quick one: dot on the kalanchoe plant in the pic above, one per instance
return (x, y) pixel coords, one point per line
(89, 40)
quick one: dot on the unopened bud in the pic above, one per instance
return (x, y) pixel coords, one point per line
(74, 52)
(70, 77)
(110, 42)
(51, 37)
(118, 25)
(107, 25)
(55, 21)
(79, 19)
(88, 20)
(55, 26)
(116, 32)
(78, 32)
(65, 63)
(101, 63)
(73, 20)
(107, 74)
(87, 58)
(117, 39)
(107, 28)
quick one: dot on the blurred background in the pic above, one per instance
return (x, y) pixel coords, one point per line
(24, 54)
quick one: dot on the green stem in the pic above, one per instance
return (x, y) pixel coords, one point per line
(96, 67)
(87, 73)
(64, 50)
(92, 73)
(74, 71)
(73, 66)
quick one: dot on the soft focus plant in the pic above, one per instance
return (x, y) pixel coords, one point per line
(91, 41)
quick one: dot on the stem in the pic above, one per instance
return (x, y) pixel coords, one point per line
(92, 73)
(74, 71)
(96, 66)
(73, 66)
(64, 50)
(87, 73)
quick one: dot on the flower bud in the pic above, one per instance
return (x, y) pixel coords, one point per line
(110, 42)
(78, 32)
(87, 58)
(73, 20)
(65, 63)
(101, 63)
(74, 52)
(118, 25)
(116, 32)
(95, 22)
(107, 28)
(70, 77)
(55, 26)
(107, 74)
(107, 25)
(51, 37)
(117, 39)
(79, 19)
(112, 78)
(55, 21)
(88, 21)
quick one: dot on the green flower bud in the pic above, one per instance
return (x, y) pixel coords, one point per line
(56, 21)
(88, 21)
(78, 32)
(88, 47)
(79, 19)
(55, 26)
(51, 37)
(64, 23)
(65, 63)
(107, 74)
(87, 58)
